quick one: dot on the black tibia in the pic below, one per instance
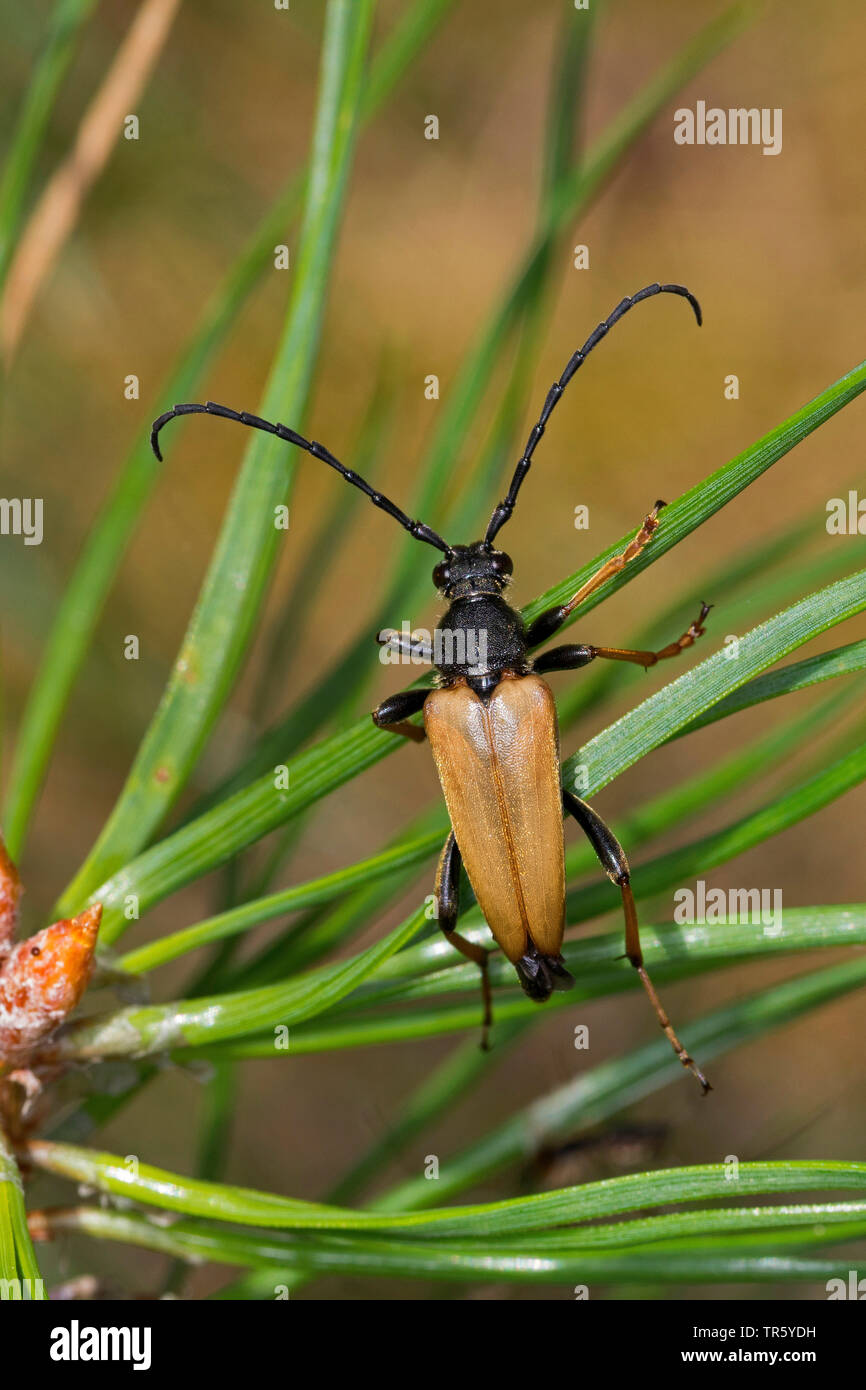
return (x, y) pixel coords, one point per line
(448, 907)
(613, 861)
(393, 712)
(540, 975)
(546, 624)
(568, 658)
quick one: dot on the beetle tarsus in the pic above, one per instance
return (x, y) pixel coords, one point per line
(549, 622)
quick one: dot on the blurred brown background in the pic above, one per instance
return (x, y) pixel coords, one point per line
(773, 247)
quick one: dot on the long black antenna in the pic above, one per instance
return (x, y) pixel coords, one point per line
(506, 506)
(255, 422)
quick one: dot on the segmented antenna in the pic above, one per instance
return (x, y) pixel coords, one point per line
(506, 506)
(255, 422)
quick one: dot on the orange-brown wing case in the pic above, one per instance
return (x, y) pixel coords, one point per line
(499, 767)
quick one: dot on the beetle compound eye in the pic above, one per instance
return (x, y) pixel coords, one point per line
(441, 575)
(503, 564)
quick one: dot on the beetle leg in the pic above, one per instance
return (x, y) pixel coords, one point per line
(568, 658)
(612, 858)
(547, 623)
(406, 644)
(448, 903)
(393, 713)
(647, 659)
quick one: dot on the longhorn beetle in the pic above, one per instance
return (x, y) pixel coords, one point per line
(493, 729)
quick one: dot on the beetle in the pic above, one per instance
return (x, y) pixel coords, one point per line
(492, 725)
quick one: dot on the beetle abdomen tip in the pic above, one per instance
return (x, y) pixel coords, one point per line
(540, 975)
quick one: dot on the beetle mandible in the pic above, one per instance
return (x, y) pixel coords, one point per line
(492, 725)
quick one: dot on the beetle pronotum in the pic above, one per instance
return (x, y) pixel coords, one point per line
(493, 729)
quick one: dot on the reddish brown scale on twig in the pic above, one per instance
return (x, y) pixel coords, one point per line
(10, 896)
(41, 982)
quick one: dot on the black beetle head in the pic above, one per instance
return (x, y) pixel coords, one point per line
(472, 569)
